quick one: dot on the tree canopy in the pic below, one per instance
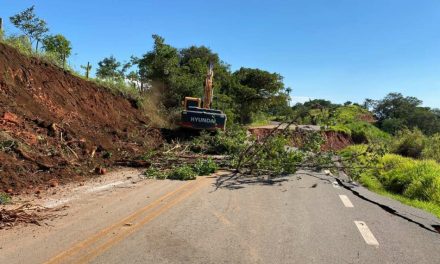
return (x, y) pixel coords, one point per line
(177, 73)
(109, 68)
(31, 25)
(58, 45)
(396, 112)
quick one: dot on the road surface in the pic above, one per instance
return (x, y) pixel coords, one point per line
(304, 218)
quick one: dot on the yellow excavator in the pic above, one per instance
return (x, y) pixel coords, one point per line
(198, 114)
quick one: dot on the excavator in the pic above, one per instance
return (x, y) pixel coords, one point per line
(199, 115)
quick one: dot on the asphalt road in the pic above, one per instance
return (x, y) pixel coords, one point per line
(305, 218)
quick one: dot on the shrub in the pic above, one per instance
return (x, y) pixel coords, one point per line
(119, 87)
(273, 157)
(339, 128)
(394, 173)
(351, 113)
(355, 158)
(409, 143)
(4, 198)
(154, 173)
(431, 149)
(223, 142)
(21, 43)
(364, 132)
(411, 178)
(313, 141)
(205, 167)
(182, 173)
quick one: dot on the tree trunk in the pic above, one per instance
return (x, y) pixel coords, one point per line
(36, 46)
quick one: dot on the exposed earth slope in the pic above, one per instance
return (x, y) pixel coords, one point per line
(56, 127)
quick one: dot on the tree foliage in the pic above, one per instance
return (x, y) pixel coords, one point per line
(58, 45)
(180, 73)
(396, 112)
(109, 68)
(31, 25)
(256, 90)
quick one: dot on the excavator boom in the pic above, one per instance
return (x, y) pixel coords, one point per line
(207, 98)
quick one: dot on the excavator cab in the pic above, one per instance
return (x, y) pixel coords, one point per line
(198, 116)
(192, 102)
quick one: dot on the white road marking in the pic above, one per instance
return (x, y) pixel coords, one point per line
(366, 233)
(346, 201)
(336, 184)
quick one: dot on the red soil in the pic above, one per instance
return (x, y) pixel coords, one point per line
(54, 125)
(333, 140)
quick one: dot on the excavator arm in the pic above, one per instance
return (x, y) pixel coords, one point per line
(208, 93)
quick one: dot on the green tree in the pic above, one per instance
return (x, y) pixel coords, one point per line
(58, 45)
(395, 105)
(161, 67)
(256, 90)
(395, 112)
(31, 25)
(108, 68)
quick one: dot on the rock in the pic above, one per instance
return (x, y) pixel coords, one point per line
(100, 170)
(10, 191)
(10, 117)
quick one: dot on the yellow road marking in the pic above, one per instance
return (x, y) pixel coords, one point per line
(97, 236)
(98, 251)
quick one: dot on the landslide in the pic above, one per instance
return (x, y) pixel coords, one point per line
(55, 127)
(333, 141)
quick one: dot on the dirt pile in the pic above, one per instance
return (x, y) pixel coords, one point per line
(55, 127)
(332, 140)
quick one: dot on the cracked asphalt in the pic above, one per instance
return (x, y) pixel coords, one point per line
(304, 218)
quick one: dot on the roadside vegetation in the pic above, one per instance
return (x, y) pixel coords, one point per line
(397, 145)
(411, 181)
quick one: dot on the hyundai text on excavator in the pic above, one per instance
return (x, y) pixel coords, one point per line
(198, 114)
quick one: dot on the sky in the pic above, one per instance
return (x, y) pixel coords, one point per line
(339, 50)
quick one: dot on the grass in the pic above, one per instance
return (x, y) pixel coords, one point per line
(355, 121)
(361, 132)
(412, 182)
(261, 119)
(351, 113)
(374, 185)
